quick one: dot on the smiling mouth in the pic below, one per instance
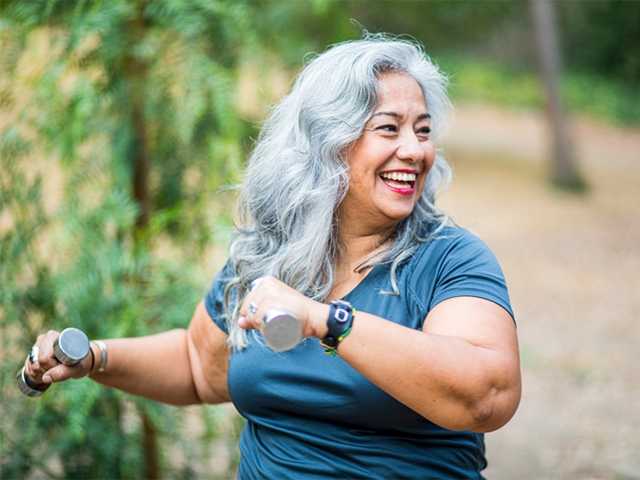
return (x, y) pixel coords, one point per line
(400, 182)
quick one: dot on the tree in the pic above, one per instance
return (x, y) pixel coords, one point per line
(564, 169)
(133, 101)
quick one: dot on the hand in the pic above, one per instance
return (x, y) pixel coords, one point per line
(269, 292)
(47, 369)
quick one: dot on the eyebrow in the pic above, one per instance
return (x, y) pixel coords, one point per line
(422, 116)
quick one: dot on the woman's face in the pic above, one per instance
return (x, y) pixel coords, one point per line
(390, 161)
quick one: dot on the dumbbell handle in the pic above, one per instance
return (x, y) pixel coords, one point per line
(70, 348)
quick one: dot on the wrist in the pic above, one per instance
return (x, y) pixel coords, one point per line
(339, 324)
(92, 358)
(318, 319)
(99, 350)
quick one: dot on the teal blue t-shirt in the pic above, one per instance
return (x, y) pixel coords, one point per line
(311, 416)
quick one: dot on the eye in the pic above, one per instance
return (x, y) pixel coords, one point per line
(389, 127)
(424, 131)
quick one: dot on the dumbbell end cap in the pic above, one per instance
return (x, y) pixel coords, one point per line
(71, 346)
(27, 387)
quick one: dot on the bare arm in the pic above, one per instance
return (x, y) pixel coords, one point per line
(179, 367)
(462, 371)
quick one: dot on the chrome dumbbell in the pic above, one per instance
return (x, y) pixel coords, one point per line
(281, 330)
(70, 348)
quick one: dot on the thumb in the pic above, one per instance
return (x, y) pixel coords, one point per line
(57, 374)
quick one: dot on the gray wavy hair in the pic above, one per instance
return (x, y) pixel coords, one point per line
(297, 177)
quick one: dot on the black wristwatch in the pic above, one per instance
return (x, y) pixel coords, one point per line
(339, 324)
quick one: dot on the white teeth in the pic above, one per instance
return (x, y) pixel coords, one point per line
(403, 177)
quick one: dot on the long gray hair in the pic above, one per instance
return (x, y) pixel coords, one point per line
(297, 177)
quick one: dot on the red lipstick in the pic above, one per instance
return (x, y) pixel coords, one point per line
(401, 191)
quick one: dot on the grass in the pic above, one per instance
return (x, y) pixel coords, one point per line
(482, 80)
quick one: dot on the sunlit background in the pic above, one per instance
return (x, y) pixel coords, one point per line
(124, 123)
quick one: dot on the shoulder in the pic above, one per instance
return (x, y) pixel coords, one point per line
(455, 262)
(449, 243)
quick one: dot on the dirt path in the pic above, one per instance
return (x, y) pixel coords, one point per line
(573, 268)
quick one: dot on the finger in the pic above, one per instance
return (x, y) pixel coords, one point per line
(31, 372)
(256, 312)
(250, 303)
(32, 357)
(59, 373)
(249, 314)
(257, 302)
(34, 360)
(256, 320)
(46, 358)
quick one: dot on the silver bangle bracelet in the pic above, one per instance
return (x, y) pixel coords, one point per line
(104, 357)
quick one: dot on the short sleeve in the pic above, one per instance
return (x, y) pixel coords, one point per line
(470, 269)
(214, 299)
(457, 264)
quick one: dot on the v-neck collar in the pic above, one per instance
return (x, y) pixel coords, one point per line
(362, 283)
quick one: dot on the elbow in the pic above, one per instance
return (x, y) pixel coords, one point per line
(494, 409)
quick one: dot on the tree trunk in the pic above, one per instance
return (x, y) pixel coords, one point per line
(150, 446)
(136, 73)
(564, 170)
(140, 185)
(140, 163)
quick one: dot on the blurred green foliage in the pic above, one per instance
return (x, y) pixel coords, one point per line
(131, 105)
(597, 37)
(88, 88)
(488, 49)
(477, 80)
(602, 37)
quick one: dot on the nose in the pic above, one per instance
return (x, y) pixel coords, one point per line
(410, 150)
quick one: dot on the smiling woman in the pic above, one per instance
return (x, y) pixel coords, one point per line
(410, 349)
(389, 163)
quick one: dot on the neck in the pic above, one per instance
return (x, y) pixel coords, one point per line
(357, 246)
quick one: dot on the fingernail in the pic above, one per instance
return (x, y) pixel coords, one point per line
(47, 379)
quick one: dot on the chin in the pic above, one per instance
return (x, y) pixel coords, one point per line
(398, 214)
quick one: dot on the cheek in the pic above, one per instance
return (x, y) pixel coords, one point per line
(430, 160)
(362, 176)
(429, 155)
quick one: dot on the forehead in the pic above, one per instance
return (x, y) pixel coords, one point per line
(399, 91)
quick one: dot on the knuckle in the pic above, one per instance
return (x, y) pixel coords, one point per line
(48, 363)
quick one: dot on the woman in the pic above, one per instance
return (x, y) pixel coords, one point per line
(338, 204)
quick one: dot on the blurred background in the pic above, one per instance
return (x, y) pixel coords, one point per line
(123, 125)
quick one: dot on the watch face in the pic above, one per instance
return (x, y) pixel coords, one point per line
(341, 315)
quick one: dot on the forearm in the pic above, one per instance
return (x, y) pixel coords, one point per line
(156, 367)
(461, 373)
(445, 379)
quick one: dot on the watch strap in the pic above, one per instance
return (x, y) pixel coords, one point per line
(339, 324)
